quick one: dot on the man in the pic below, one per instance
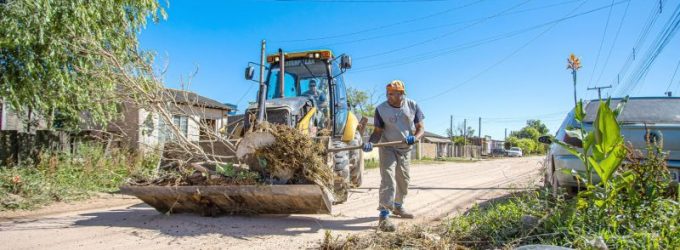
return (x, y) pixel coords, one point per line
(320, 100)
(397, 119)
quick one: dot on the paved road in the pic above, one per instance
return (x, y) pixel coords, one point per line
(436, 191)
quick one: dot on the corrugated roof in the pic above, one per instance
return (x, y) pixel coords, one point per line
(187, 97)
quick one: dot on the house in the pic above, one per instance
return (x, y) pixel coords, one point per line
(29, 120)
(197, 118)
(434, 146)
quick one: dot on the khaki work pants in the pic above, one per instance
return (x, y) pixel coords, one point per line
(394, 176)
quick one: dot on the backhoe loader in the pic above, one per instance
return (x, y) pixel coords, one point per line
(303, 90)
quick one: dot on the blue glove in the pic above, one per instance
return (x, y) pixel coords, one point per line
(410, 140)
(368, 147)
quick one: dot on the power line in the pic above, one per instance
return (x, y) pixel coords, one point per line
(363, 1)
(657, 46)
(442, 25)
(604, 35)
(442, 52)
(653, 16)
(616, 37)
(383, 26)
(673, 77)
(500, 61)
(440, 36)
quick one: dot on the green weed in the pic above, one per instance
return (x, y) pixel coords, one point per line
(65, 176)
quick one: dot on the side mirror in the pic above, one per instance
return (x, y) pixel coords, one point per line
(250, 72)
(546, 139)
(345, 62)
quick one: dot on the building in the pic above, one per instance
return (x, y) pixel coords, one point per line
(194, 115)
(434, 146)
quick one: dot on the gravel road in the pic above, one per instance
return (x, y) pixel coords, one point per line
(120, 222)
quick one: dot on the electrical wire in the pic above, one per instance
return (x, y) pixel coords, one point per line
(432, 39)
(500, 61)
(351, 41)
(599, 50)
(673, 77)
(616, 37)
(668, 31)
(382, 26)
(429, 55)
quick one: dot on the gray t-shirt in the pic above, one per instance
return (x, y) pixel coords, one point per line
(397, 123)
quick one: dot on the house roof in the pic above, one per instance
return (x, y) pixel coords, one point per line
(187, 97)
(430, 134)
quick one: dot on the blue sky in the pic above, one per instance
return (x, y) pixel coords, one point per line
(501, 60)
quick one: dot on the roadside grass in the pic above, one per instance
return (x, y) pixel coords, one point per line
(643, 214)
(66, 177)
(427, 160)
(533, 217)
(373, 163)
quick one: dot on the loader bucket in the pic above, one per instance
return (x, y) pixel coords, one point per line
(236, 199)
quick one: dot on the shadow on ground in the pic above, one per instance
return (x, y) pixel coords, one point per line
(144, 217)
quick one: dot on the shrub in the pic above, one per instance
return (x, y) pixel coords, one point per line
(64, 176)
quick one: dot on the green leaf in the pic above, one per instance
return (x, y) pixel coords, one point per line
(579, 113)
(596, 165)
(612, 162)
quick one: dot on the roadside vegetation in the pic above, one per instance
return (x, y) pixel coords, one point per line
(60, 176)
(633, 206)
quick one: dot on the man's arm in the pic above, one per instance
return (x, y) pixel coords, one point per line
(375, 136)
(420, 130)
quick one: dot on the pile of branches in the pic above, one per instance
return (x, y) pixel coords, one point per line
(293, 158)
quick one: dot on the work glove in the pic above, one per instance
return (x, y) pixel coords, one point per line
(410, 140)
(367, 147)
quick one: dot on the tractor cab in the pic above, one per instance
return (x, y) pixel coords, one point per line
(303, 82)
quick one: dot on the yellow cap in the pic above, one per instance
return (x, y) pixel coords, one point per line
(396, 85)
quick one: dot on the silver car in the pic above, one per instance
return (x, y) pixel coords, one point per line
(643, 119)
(514, 152)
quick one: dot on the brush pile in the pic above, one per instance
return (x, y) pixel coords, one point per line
(293, 158)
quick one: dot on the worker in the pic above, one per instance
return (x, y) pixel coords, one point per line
(319, 99)
(397, 119)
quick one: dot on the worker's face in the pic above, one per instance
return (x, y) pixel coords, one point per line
(395, 98)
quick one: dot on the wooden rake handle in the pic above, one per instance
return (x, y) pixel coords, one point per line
(375, 145)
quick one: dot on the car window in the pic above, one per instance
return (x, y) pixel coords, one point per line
(649, 110)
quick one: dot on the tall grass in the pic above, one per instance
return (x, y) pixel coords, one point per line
(59, 176)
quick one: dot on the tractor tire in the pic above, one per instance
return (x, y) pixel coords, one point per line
(357, 161)
(341, 168)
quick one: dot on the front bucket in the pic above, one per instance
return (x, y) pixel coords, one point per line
(237, 199)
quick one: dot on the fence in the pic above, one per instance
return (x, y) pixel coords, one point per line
(17, 148)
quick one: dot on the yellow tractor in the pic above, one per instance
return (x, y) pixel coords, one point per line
(304, 90)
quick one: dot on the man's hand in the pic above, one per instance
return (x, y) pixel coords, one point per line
(410, 140)
(367, 147)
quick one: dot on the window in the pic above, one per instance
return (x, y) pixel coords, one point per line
(166, 133)
(182, 123)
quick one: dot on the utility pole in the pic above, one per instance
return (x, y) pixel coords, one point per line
(599, 89)
(451, 128)
(464, 136)
(505, 138)
(480, 128)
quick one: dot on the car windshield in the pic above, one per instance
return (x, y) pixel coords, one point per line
(648, 110)
(515, 149)
(300, 75)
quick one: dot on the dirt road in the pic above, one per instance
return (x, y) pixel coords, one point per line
(436, 191)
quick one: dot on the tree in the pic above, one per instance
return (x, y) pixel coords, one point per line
(461, 131)
(361, 101)
(539, 126)
(60, 56)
